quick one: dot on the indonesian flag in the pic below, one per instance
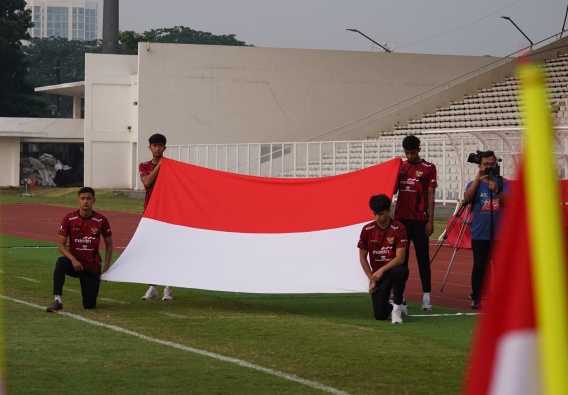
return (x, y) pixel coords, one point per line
(214, 230)
(521, 345)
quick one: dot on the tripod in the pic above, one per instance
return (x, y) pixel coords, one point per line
(26, 190)
(466, 220)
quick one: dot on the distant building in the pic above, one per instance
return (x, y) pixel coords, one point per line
(71, 19)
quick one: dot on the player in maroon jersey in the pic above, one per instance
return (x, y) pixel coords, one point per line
(79, 238)
(382, 246)
(415, 209)
(148, 175)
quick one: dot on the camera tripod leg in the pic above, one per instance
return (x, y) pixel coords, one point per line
(465, 222)
(457, 214)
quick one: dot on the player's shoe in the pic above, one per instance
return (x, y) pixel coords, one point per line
(55, 307)
(404, 310)
(426, 303)
(168, 294)
(396, 314)
(151, 294)
(476, 304)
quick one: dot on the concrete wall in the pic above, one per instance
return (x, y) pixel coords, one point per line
(110, 120)
(217, 94)
(10, 161)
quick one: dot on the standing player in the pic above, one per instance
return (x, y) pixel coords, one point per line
(148, 175)
(415, 209)
(382, 246)
(79, 238)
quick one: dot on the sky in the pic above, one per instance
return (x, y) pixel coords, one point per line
(449, 27)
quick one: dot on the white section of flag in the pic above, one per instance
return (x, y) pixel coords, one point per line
(307, 262)
(517, 368)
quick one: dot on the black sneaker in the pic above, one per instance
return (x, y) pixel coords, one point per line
(55, 307)
(476, 304)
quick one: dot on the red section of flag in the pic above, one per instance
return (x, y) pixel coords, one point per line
(202, 198)
(510, 303)
(459, 233)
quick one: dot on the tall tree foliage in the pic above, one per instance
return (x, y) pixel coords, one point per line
(16, 93)
(43, 53)
(178, 35)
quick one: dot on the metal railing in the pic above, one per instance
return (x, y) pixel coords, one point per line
(447, 149)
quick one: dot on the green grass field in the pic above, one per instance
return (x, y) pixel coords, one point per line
(211, 342)
(106, 199)
(130, 346)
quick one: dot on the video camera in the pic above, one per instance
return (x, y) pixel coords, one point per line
(492, 172)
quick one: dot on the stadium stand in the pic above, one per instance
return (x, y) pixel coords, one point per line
(488, 118)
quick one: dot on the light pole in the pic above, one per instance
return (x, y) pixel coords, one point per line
(369, 38)
(518, 28)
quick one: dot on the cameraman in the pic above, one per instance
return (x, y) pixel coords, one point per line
(488, 194)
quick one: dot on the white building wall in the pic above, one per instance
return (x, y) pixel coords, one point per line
(110, 92)
(221, 94)
(10, 161)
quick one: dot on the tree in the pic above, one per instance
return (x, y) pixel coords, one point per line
(16, 93)
(44, 53)
(178, 35)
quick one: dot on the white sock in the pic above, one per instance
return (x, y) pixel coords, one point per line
(58, 298)
(426, 295)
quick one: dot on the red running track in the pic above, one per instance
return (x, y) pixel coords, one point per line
(41, 222)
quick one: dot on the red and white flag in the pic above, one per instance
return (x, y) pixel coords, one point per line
(214, 230)
(521, 345)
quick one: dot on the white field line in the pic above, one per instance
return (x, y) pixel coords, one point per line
(32, 280)
(235, 317)
(100, 298)
(113, 300)
(441, 315)
(220, 317)
(27, 247)
(178, 346)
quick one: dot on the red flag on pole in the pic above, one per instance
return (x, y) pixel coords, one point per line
(521, 345)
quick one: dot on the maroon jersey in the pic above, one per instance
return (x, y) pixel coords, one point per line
(144, 169)
(84, 237)
(413, 182)
(382, 243)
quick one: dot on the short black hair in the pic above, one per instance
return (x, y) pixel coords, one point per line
(487, 154)
(86, 190)
(410, 143)
(157, 139)
(379, 203)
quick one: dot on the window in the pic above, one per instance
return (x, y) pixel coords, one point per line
(57, 22)
(36, 17)
(78, 23)
(90, 24)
